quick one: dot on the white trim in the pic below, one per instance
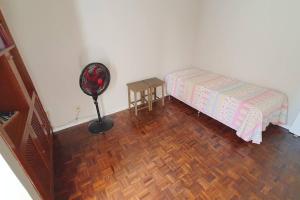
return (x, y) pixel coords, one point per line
(285, 126)
(89, 118)
(74, 123)
(295, 129)
(288, 128)
(82, 120)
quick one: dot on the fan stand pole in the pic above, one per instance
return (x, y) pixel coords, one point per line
(100, 125)
(97, 108)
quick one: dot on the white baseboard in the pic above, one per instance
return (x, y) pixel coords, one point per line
(291, 130)
(285, 126)
(296, 126)
(74, 123)
(83, 120)
(295, 131)
(89, 118)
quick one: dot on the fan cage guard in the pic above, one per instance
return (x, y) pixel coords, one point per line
(91, 86)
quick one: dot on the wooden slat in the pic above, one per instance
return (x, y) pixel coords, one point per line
(38, 171)
(6, 50)
(18, 77)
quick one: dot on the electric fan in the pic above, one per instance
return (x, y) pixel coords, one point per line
(94, 80)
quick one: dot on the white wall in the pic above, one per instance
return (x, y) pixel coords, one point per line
(136, 39)
(256, 41)
(133, 37)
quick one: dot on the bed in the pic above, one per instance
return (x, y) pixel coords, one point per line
(245, 107)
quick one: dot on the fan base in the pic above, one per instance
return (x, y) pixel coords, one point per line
(95, 127)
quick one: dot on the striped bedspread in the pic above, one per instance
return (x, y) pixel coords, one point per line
(245, 107)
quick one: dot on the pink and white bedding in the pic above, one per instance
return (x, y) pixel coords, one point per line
(245, 107)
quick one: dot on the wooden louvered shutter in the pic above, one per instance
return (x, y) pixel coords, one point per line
(35, 150)
(38, 170)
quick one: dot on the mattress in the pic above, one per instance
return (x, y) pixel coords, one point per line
(245, 107)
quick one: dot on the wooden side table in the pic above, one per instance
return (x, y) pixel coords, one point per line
(139, 87)
(153, 84)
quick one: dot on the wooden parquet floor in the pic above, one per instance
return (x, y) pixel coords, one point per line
(171, 153)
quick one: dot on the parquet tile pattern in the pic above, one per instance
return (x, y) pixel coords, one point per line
(171, 153)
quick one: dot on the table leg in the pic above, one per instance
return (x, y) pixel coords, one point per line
(129, 99)
(135, 104)
(143, 97)
(152, 100)
(149, 100)
(163, 94)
